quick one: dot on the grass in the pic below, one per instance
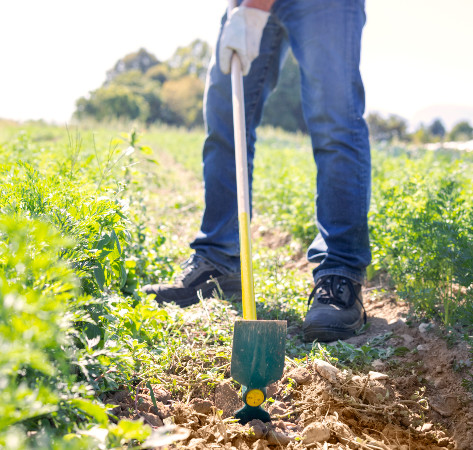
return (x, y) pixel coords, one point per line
(88, 217)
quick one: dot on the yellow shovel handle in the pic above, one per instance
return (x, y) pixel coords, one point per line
(247, 284)
(243, 192)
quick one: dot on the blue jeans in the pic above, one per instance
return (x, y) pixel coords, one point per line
(325, 37)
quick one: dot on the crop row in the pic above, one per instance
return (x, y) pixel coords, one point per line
(76, 243)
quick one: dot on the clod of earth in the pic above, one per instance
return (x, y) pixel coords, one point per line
(227, 399)
(326, 370)
(300, 375)
(201, 406)
(315, 432)
(377, 376)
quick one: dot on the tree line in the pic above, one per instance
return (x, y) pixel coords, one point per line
(140, 87)
(395, 128)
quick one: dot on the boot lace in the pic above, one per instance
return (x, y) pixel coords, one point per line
(187, 267)
(327, 293)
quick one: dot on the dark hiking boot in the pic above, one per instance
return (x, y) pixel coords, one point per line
(198, 275)
(337, 310)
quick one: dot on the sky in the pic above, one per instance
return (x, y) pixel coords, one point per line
(416, 54)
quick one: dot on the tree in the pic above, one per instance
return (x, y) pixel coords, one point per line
(462, 131)
(159, 73)
(191, 60)
(436, 128)
(422, 135)
(112, 102)
(381, 129)
(183, 100)
(141, 60)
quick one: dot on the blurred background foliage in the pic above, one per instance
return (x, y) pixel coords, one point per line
(141, 88)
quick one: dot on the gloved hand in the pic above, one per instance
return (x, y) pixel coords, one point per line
(242, 33)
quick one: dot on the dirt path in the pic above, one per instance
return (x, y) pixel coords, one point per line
(412, 400)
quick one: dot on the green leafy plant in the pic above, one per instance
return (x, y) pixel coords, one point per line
(422, 236)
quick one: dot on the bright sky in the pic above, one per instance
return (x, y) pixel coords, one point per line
(416, 53)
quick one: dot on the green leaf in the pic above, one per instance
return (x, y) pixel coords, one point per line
(151, 393)
(116, 241)
(104, 240)
(129, 429)
(401, 351)
(92, 334)
(123, 276)
(91, 409)
(99, 276)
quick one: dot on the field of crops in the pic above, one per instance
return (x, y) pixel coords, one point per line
(89, 215)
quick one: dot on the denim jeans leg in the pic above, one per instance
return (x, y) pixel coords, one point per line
(218, 238)
(325, 36)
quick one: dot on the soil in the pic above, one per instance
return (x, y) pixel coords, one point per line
(413, 400)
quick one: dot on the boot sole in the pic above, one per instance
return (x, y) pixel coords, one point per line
(326, 334)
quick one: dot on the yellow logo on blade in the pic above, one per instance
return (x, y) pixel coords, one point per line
(254, 397)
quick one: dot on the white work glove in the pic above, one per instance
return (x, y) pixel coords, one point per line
(242, 34)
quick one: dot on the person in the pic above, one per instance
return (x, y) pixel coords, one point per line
(325, 38)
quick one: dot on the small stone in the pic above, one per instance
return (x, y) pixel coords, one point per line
(424, 327)
(426, 427)
(438, 369)
(407, 338)
(378, 364)
(201, 406)
(443, 442)
(423, 348)
(315, 432)
(258, 428)
(278, 438)
(326, 370)
(377, 376)
(341, 430)
(153, 420)
(440, 383)
(300, 375)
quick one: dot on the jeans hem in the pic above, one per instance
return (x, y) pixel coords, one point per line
(356, 277)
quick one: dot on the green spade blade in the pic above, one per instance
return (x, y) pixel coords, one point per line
(258, 352)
